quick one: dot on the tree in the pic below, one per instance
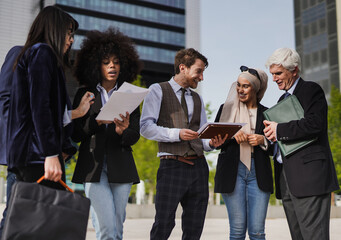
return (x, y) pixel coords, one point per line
(147, 163)
(211, 158)
(145, 155)
(334, 128)
(69, 170)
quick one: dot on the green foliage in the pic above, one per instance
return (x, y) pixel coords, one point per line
(147, 162)
(144, 152)
(210, 155)
(3, 172)
(272, 200)
(334, 128)
(212, 167)
(69, 170)
(138, 81)
(70, 167)
(209, 111)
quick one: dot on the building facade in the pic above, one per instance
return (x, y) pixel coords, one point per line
(156, 26)
(15, 22)
(316, 33)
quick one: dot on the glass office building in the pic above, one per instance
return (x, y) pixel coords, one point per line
(317, 41)
(156, 26)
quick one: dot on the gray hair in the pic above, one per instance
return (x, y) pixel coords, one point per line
(286, 57)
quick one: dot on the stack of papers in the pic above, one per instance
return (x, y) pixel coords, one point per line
(126, 99)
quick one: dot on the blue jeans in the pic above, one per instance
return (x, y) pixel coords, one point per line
(108, 206)
(11, 178)
(246, 205)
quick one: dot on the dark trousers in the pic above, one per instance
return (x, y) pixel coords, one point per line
(178, 182)
(308, 217)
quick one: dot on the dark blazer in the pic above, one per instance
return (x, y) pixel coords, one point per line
(97, 141)
(310, 171)
(229, 157)
(37, 104)
(6, 77)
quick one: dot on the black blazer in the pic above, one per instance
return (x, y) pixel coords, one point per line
(38, 97)
(228, 160)
(6, 76)
(310, 171)
(96, 141)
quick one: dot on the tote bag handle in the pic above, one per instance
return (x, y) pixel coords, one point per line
(60, 181)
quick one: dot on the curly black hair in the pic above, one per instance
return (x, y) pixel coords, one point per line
(100, 45)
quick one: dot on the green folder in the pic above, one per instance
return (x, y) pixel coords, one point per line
(286, 110)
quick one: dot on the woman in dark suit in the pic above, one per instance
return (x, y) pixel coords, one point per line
(105, 162)
(243, 175)
(38, 116)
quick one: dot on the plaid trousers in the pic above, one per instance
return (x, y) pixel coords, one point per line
(179, 182)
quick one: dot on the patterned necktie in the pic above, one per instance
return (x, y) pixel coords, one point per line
(276, 147)
(183, 102)
(286, 94)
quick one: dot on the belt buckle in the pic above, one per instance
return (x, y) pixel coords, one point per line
(184, 160)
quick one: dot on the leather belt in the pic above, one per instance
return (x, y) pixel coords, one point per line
(182, 159)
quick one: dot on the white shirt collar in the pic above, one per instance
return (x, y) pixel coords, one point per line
(176, 87)
(100, 88)
(292, 89)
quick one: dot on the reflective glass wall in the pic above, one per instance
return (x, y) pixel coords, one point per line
(158, 28)
(129, 10)
(171, 3)
(316, 41)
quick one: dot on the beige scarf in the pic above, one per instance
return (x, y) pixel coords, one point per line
(237, 112)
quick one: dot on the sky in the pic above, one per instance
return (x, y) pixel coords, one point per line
(242, 32)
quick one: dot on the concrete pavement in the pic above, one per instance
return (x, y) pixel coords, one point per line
(215, 229)
(140, 220)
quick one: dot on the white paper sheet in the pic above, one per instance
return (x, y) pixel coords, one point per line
(125, 99)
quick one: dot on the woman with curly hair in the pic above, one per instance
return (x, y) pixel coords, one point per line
(105, 162)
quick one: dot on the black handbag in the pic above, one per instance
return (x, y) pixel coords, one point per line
(39, 212)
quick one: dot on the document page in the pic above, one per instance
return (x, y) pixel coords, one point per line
(126, 99)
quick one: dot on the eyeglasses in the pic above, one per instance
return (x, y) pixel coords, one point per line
(250, 70)
(70, 33)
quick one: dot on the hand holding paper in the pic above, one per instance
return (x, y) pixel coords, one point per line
(122, 125)
(126, 99)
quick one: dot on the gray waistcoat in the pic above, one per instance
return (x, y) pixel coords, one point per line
(172, 116)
